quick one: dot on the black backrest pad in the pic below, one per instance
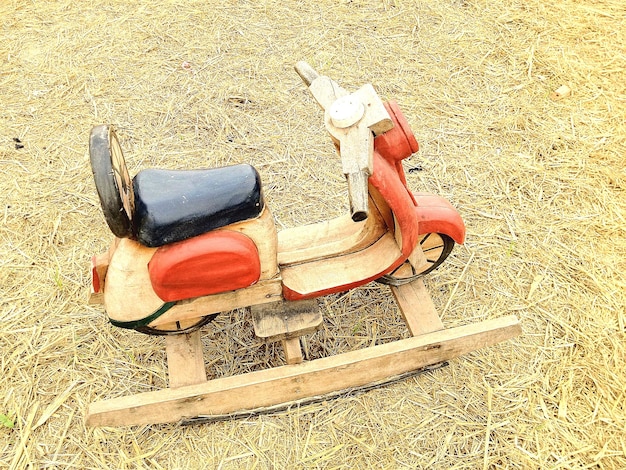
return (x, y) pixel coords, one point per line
(173, 205)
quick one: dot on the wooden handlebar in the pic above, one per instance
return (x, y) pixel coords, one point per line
(352, 119)
(358, 192)
(306, 72)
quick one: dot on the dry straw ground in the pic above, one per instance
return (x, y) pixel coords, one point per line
(540, 183)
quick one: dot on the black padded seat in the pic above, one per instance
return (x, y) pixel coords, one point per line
(173, 205)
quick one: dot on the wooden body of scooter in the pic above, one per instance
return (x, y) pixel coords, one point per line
(389, 230)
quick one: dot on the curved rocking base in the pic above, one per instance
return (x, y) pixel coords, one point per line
(194, 399)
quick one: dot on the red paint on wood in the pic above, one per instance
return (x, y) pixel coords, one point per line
(441, 220)
(290, 294)
(398, 143)
(208, 264)
(95, 278)
(436, 215)
(431, 200)
(388, 183)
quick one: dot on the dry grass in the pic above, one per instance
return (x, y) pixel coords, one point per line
(540, 183)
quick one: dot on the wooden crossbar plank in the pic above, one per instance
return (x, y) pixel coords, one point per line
(264, 291)
(293, 350)
(185, 359)
(294, 382)
(417, 308)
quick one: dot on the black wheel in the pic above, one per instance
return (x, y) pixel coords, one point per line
(177, 328)
(436, 248)
(113, 183)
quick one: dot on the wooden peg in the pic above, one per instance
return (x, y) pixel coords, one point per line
(293, 351)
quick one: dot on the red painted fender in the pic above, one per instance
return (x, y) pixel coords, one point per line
(436, 215)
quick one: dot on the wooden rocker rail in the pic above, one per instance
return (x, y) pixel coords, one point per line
(294, 382)
(310, 400)
(192, 398)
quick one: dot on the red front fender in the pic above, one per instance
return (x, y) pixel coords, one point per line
(436, 215)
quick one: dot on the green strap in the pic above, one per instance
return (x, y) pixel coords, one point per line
(144, 321)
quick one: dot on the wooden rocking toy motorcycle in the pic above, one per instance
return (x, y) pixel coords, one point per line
(193, 243)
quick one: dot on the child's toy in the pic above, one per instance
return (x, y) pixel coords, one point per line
(192, 243)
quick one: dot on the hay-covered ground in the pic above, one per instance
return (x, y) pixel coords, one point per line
(540, 183)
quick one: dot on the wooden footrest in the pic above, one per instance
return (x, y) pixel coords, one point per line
(284, 320)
